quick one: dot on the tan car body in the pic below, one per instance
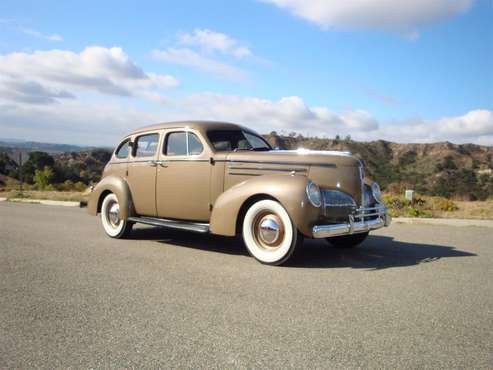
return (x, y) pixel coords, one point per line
(216, 188)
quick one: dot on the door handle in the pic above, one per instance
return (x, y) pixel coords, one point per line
(161, 163)
(152, 163)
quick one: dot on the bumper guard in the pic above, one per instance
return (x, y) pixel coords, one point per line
(356, 223)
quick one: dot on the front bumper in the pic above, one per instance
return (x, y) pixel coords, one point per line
(361, 221)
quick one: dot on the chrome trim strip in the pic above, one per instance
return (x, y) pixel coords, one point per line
(173, 224)
(330, 165)
(244, 174)
(268, 169)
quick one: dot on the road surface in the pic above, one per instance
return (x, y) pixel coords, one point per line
(413, 296)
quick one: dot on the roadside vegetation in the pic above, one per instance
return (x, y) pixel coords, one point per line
(449, 180)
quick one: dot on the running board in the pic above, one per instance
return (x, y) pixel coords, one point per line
(172, 224)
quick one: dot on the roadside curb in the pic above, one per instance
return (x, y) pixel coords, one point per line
(42, 201)
(443, 221)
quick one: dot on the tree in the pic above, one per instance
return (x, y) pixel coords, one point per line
(7, 164)
(43, 177)
(36, 161)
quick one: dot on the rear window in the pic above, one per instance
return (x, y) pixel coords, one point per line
(183, 143)
(234, 140)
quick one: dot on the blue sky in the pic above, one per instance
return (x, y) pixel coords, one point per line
(87, 72)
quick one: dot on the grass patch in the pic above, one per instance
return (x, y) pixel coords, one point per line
(67, 196)
(437, 207)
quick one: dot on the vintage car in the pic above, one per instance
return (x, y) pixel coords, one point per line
(225, 179)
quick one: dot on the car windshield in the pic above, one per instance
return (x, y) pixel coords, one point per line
(234, 140)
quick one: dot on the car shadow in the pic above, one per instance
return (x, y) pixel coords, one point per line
(376, 253)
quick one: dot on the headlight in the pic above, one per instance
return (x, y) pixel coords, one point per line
(313, 194)
(375, 189)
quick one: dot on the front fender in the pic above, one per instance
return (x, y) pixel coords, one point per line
(289, 190)
(111, 184)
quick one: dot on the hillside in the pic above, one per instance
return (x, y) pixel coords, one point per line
(445, 169)
(31, 146)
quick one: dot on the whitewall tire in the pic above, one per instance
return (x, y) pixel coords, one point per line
(268, 232)
(113, 225)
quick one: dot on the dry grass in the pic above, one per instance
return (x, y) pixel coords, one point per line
(465, 210)
(482, 210)
(73, 196)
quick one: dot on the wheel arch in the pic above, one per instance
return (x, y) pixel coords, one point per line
(288, 190)
(117, 186)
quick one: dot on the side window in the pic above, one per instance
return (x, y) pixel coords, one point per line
(176, 144)
(183, 143)
(194, 145)
(122, 151)
(146, 145)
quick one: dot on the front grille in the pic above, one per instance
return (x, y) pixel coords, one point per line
(369, 213)
(368, 199)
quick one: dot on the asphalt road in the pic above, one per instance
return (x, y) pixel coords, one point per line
(412, 296)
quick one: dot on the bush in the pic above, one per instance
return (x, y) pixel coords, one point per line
(43, 177)
(443, 204)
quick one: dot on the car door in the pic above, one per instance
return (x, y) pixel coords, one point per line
(142, 170)
(183, 177)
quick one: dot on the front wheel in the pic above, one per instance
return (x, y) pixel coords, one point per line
(113, 225)
(269, 234)
(347, 241)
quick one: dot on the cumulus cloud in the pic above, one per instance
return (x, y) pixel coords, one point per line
(286, 114)
(78, 121)
(212, 52)
(401, 16)
(190, 58)
(104, 70)
(475, 126)
(212, 41)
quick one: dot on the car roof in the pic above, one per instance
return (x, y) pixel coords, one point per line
(197, 125)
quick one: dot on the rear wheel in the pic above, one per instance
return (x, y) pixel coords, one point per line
(269, 234)
(113, 224)
(347, 241)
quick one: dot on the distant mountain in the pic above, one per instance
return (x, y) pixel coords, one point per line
(31, 146)
(446, 169)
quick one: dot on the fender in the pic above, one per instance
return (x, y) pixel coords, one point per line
(115, 185)
(289, 190)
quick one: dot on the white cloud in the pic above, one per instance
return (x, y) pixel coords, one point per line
(102, 123)
(191, 58)
(39, 35)
(212, 52)
(475, 126)
(95, 69)
(211, 41)
(403, 16)
(287, 114)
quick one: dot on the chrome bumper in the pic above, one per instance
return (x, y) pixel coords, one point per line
(356, 223)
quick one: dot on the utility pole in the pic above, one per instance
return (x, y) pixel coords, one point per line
(20, 170)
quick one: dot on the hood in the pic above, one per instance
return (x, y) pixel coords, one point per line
(328, 169)
(300, 157)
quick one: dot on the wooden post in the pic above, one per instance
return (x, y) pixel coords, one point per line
(20, 171)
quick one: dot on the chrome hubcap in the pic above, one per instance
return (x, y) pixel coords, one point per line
(114, 214)
(268, 230)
